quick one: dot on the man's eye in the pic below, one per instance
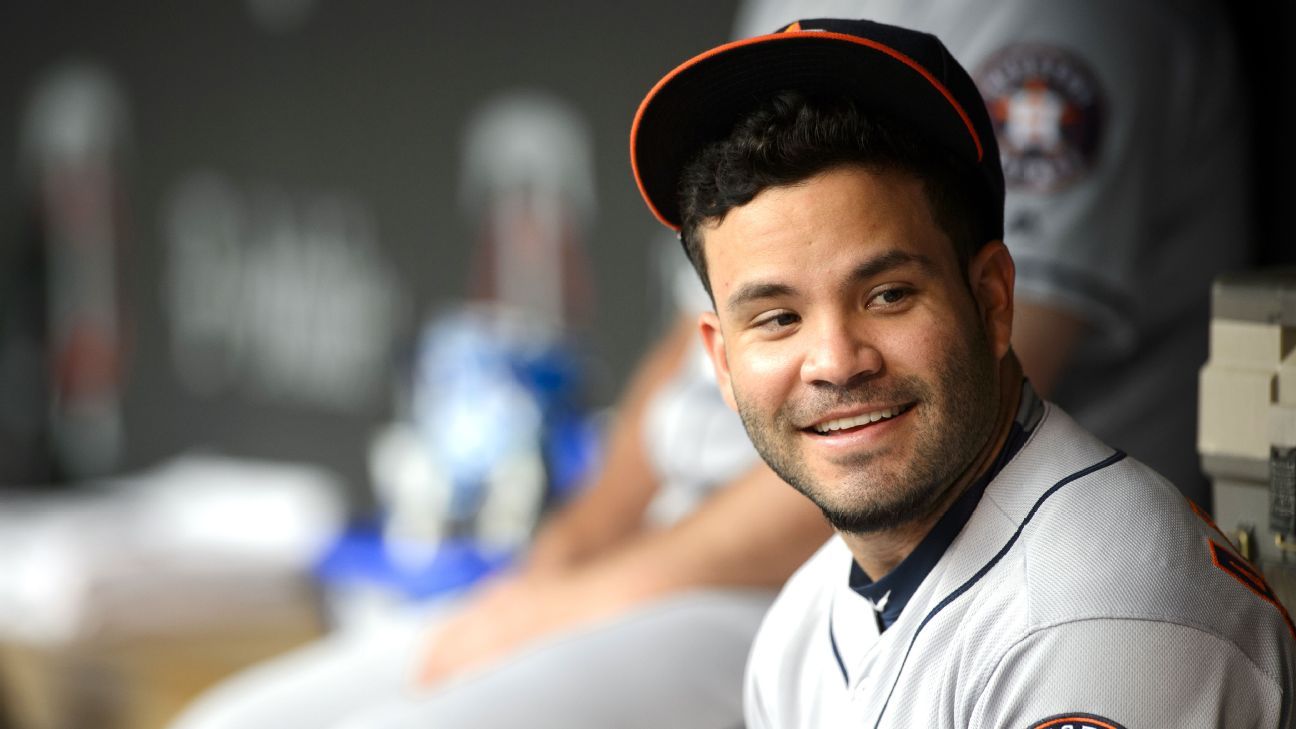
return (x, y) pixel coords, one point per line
(890, 297)
(778, 321)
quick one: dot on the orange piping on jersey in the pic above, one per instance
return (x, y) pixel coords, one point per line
(1200, 512)
(1205, 517)
(1073, 719)
(888, 50)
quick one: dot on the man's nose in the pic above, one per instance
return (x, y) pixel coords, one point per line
(838, 354)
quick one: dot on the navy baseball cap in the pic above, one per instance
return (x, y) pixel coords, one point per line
(905, 74)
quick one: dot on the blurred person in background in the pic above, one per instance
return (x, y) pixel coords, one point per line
(1122, 135)
(643, 561)
(635, 605)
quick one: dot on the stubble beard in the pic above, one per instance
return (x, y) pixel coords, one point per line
(954, 418)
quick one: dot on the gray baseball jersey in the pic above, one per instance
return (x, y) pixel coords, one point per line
(1122, 131)
(1075, 587)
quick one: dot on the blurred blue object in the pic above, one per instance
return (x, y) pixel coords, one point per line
(489, 382)
(496, 431)
(572, 450)
(359, 559)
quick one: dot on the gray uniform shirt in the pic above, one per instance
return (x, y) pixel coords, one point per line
(1082, 587)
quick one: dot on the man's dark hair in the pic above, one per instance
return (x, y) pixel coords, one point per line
(791, 138)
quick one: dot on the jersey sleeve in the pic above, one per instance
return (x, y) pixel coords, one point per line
(1111, 122)
(1117, 674)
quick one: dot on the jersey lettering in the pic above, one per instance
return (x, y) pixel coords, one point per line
(1242, 571)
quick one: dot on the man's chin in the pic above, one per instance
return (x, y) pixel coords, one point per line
(868, 521)
(855, 513)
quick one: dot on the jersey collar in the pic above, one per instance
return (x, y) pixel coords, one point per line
(889, 595)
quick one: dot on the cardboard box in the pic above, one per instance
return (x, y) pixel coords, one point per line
(1287, 381)
(1249, 344)
(1235, 411)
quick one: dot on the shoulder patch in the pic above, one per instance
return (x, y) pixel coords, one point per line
(1048, 111)
(1076, 721)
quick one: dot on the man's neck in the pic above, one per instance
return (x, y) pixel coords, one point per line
(877, 553)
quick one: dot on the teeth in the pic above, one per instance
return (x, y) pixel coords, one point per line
(863, 419)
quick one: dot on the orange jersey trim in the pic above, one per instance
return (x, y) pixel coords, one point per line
(1089, 721)
(1206, 518)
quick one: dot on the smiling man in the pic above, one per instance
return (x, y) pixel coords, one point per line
(837, 186)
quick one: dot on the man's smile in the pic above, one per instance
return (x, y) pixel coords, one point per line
(835, 424)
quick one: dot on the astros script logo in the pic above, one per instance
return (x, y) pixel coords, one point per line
(1076, 721)
(1047, 111)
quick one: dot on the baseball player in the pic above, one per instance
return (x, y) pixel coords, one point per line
(1122, 131)
(838, 186)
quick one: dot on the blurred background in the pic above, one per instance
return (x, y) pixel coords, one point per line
(252, 255)
(254, 115)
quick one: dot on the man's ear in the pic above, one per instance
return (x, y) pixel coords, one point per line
(991, 274)
(713, 340)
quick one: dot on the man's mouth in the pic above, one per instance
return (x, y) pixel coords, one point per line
(857, 421)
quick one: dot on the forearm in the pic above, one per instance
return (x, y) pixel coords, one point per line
(753, 533)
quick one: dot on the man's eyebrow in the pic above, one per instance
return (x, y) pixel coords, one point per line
(892, 259)
(757, 290)
(875, 266)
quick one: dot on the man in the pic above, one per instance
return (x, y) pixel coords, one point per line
(837, 186)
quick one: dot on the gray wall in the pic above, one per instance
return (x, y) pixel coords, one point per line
(364, 100)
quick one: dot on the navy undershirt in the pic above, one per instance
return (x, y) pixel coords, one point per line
(890, 594)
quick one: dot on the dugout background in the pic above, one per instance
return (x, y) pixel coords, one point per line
(308, 100)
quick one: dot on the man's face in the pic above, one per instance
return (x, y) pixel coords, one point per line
(847, 338)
